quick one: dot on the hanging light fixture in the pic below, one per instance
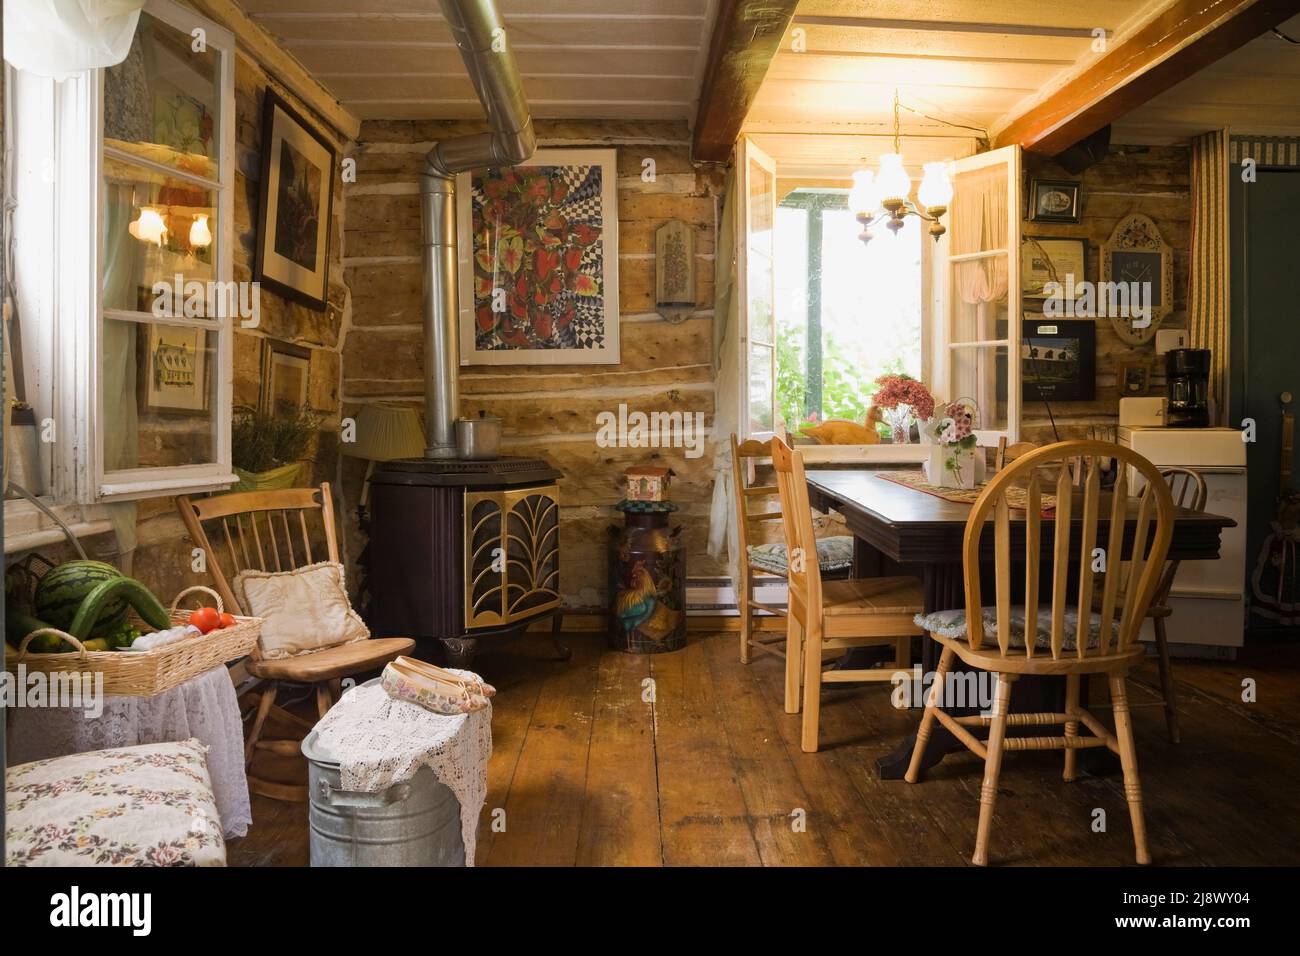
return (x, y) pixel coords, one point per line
(882, 197)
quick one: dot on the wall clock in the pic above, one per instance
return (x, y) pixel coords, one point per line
(1136, 253)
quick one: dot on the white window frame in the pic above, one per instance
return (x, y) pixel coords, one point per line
(66, 298)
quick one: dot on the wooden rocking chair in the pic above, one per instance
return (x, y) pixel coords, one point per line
(249, 526)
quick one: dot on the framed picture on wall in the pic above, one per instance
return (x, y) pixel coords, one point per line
(538, 247)
(1053, 201)
(1045, 259)
(284, 377)
(174, 369)
(293, 228)
(1058, 359)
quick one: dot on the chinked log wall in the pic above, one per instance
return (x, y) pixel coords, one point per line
(548, 410)
(1156, 182)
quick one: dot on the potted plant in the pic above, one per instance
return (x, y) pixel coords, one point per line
(268, 450)
(901, 398)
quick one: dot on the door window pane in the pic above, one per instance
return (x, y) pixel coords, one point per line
(761, 417)
(759, 278)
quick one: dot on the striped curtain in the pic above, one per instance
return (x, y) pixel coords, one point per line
(1207, 288)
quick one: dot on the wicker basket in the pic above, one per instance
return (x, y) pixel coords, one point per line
(145, 673)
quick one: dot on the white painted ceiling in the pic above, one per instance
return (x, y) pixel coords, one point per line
(1253, 90)
(395, 59)
(969, 62)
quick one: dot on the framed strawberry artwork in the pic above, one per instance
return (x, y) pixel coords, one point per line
(538, 248)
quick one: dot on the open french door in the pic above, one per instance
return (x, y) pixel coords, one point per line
(756, 287)
(977, 301)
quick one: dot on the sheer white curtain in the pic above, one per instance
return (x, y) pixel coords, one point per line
(61, 38)
(979, 223)
(727, 411)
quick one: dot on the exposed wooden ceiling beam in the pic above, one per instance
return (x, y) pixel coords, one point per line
(746, 35)
(943, 26)
(1184, 37)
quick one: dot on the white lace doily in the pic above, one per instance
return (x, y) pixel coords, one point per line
(379, 741)
(204, 707)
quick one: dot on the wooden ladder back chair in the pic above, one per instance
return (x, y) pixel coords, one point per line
(749, 518)
(833, 614)
(1030, 639)
(280, 530)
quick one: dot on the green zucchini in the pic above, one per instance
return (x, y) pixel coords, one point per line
(18, 624)
(136, 594)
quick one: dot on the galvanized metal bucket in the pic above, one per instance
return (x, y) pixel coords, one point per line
(414, 823)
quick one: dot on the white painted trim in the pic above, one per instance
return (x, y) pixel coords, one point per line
(746, 150)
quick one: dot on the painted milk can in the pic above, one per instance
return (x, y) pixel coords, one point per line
(647, 568)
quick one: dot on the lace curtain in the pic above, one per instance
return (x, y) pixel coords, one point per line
(61, 38)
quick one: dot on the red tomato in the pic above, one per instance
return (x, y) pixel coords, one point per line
(206, 619)
(227, 619)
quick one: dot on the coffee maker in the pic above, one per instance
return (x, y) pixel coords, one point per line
(1187, 386)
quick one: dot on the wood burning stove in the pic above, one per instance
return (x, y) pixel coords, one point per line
(461, 550)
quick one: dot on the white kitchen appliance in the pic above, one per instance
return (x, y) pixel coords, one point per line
(1208, 597)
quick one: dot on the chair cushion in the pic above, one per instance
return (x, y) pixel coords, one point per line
(149, 805)
(833, 554)
(953, 624)
(303, 610)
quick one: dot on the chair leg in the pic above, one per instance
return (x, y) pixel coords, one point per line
(992, 768)
(744, 594)
(903, 653)
(927, 718)
(812, 686)
(1071, 726)
(324, 699)
(263, 709)
(794, 639)
(1167, 681)
(1128, 761)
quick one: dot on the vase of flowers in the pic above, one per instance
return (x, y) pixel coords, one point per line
(955, 461)
(901, 399)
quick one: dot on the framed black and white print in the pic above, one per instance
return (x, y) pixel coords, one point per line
(538, 247)
(293, 234)
(1053, 201)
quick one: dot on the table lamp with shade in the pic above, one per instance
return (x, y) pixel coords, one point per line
(385, 432)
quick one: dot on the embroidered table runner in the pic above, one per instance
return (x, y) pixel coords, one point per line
(1017, 497)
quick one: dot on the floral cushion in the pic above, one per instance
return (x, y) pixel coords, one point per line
(953, 624)
(833, 554)
(149, 805)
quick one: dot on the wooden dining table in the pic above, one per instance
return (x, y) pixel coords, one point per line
(899, 529)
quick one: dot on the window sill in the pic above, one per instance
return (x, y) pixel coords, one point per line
(884, 453)
(27, 527)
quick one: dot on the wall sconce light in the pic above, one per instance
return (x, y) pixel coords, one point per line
(149, 227)
(200, 234)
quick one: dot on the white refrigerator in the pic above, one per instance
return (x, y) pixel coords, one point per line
(1208, 598)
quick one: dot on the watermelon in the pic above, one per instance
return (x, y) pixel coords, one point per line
(61, 591)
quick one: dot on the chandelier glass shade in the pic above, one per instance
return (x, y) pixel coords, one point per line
(882, 196)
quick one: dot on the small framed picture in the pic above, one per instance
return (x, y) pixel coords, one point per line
(1044, 259)
(175, 369)
(1134, 378)
(284, 377)
(1053, 201)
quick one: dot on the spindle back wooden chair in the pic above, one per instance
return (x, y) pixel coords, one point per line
(280, 530)
(986, 638)
(750, 515)
(1188, 490)
(856, 612)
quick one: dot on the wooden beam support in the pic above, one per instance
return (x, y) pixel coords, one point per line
(1185, 37)
(746, 35)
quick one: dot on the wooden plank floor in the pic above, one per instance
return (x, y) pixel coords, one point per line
(688, 758)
